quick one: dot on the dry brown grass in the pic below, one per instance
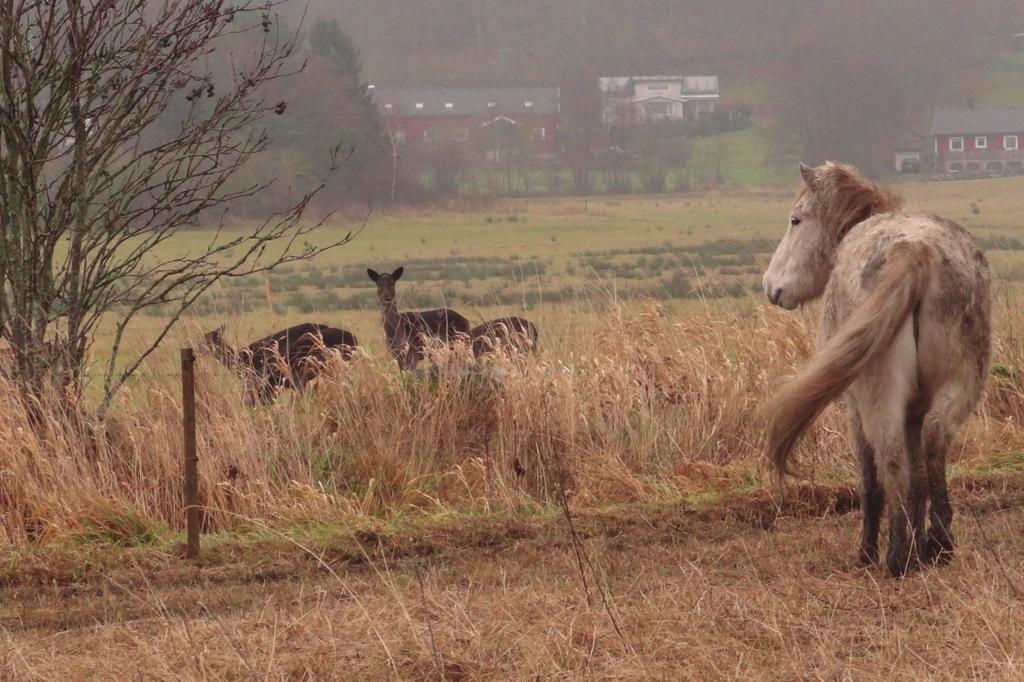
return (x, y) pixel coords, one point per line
(651, 408)
(394, 526)
(695, 596)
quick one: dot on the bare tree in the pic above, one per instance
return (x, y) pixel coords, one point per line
(95, 179)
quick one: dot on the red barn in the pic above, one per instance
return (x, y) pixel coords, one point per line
(487, 117)
(976, 139)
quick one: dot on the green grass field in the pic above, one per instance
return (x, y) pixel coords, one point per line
(557, 262)
(552, 256)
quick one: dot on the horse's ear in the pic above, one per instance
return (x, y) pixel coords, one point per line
(397, 274)
(808, 175)
(372, 274)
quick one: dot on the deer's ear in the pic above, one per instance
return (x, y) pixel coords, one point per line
(808, 174)
(397, 274)
(372, 274)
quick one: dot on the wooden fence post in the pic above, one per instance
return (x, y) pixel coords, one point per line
(188, 404)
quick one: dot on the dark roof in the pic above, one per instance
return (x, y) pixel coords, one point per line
(700, 85)
(908, 140)
(465, 100)
(977, 121)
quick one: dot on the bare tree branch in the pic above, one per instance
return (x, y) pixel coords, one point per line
(115, 135)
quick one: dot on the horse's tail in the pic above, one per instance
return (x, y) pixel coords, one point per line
(866, 335)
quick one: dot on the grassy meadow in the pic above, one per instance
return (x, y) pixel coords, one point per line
(600, 509)
(560, 261)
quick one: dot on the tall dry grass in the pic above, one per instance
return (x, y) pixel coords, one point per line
(651, 407)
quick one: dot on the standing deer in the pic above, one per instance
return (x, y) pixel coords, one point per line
(905, 333)
(290, 358)
(408, 334)
(512, 333)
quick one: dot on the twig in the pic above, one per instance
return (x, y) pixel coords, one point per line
(576, 544)
(430, 622)
(583, 558)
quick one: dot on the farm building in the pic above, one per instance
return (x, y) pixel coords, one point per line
(907, 152)
(632, 100)
(979, 138)
(489, 117)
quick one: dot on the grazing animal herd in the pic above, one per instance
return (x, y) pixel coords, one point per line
(905, 336)
(292, 357)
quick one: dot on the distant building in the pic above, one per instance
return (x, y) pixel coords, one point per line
(634, 100)
(982, 138)
(465, 114)
(907, 152)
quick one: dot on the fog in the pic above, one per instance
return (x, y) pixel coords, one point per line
(814, 79)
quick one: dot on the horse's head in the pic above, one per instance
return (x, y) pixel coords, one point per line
(833, 199)
(385, 284)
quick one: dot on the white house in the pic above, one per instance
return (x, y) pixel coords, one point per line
(629, 100)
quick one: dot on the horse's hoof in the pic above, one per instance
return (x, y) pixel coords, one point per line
(901, 562)
(938, 548)
(867, 556)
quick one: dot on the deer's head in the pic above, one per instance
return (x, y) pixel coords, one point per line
(385, 284)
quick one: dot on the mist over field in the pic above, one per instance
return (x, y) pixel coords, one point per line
(469, 299)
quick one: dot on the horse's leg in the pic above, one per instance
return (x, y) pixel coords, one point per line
(882, 396)
(937, 437)
(872, 497)
(919, 484)
(949, 409)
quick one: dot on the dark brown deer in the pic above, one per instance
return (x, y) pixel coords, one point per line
(408, 334)
(290, 358)
(512, 333)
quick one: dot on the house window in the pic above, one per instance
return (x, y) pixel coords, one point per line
(1010, 142)
(981, 142)
(659, 109)
(462, 135)
(657, 87)
(538, 134)
(491, 105)
(449, 105)
(388, 107)
(956, 144)
(419, 105)
(528, 104)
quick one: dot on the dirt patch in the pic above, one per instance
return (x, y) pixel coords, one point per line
(275, 559)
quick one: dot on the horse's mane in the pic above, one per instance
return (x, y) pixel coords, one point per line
(842, 197)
